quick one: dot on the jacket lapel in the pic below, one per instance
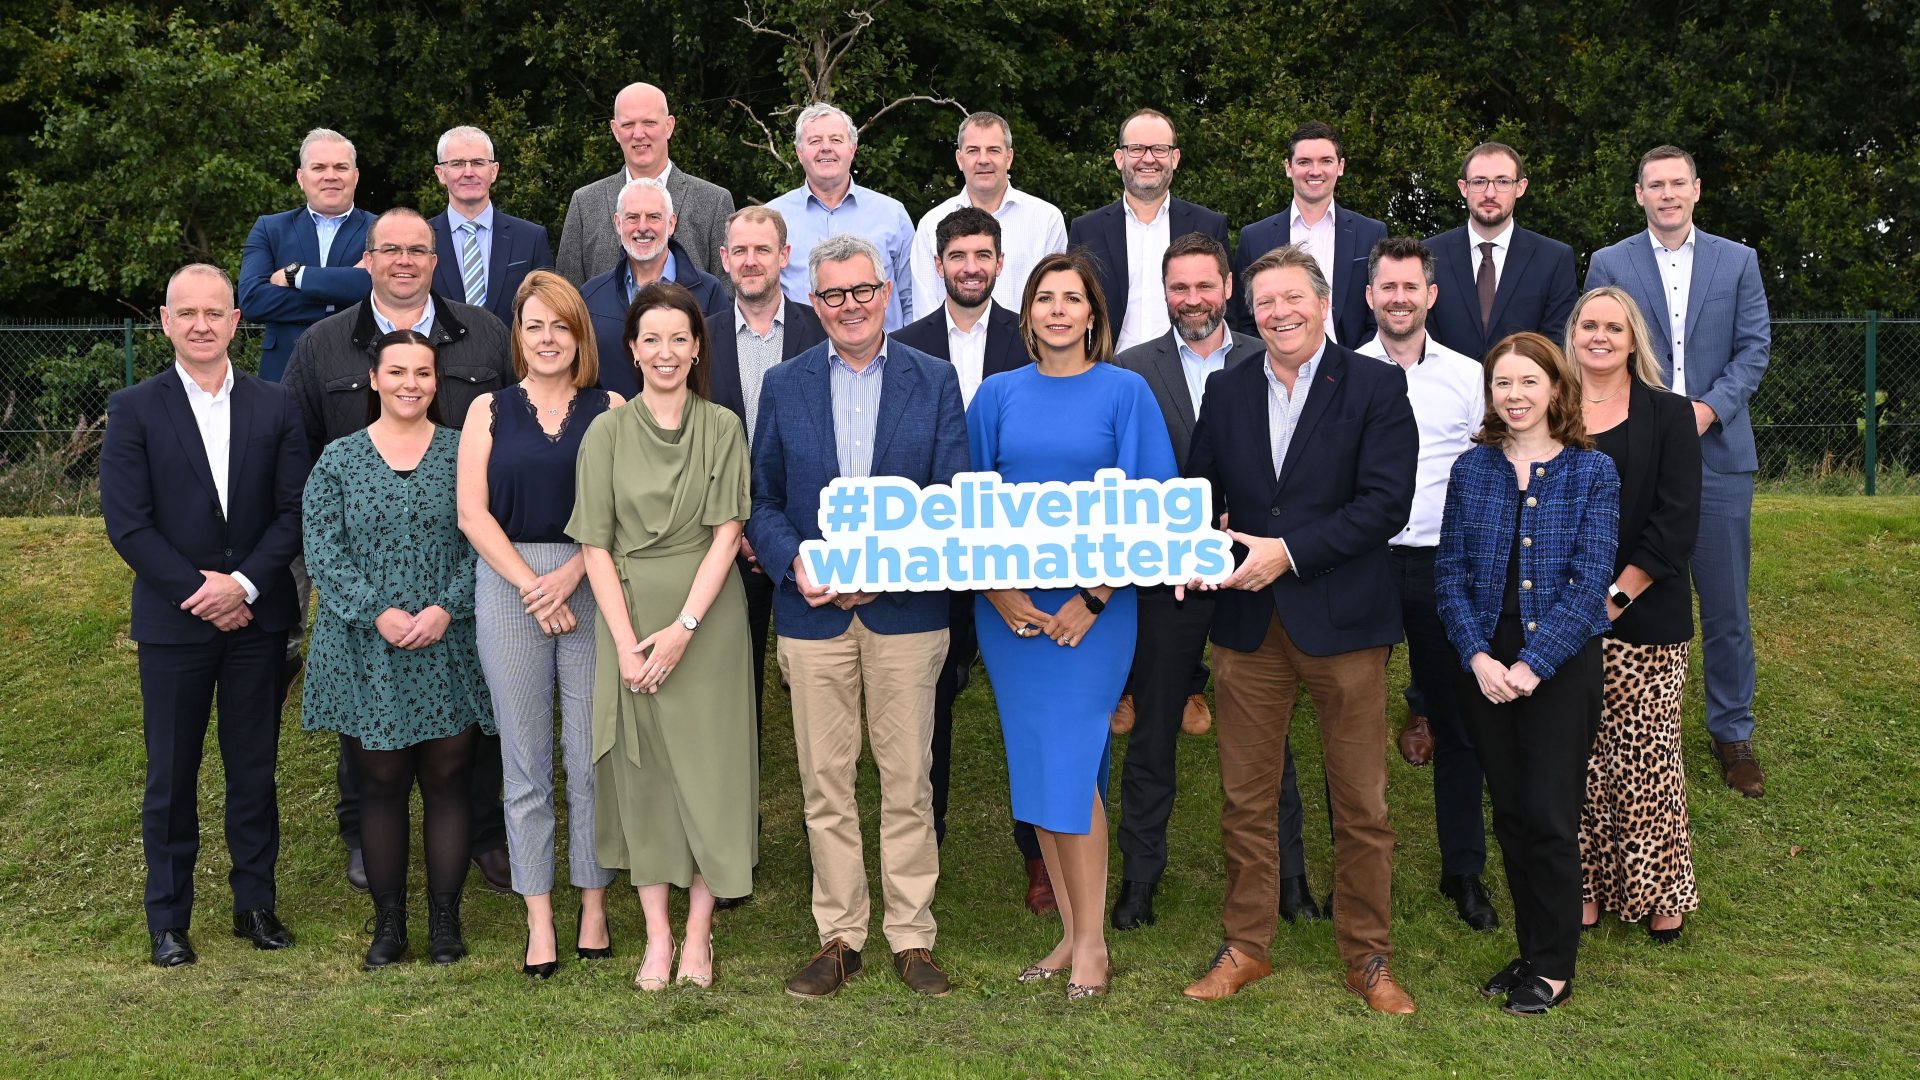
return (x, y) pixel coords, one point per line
(897, 385)
(1460, 260)
(446, 269)
(497, 256)
(1706, 263)
(1519, 254)
(1326, 383)
(1172, 379)
(352, 237)
(240, 416)
(188, 430)
(1640, 250)
(819, 397)
(1005, 350)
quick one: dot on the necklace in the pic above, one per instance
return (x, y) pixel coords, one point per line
(1598, 400)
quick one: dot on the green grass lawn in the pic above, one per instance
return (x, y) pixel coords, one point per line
(1802, 959)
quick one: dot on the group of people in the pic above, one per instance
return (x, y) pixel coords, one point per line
(515, 492)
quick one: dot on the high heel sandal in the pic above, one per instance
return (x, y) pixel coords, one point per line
(1038, 973)
(585, 953)
(651, 985)
(537, 971)
(703, 982)
(1076, 992)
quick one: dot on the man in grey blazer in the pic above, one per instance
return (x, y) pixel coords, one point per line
(1706, 310)
(643, 127)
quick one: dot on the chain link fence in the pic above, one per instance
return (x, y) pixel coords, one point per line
(1838, 412)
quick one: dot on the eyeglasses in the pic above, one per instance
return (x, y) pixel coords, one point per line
(1502, 184)
(394, 251)
(1136, 151)
(860, 293)
(462, 164)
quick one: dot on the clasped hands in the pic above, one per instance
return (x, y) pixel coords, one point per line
(646, 665)
(821, 595)
(220, 600)
(1266, 560)
(1068, 626)
(1500, 683)
(404, 631)
(545, 597)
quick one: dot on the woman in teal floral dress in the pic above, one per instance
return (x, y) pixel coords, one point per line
(392, 664)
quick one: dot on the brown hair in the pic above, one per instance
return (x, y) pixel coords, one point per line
(1155, 114)
(1488, 149)
(1644, 366)
(762, 214)
(1281, 258)
(1196, 243)
(564, 301)
(1099, 327)
(1564, 420)
(1664, 153)
(673, 297)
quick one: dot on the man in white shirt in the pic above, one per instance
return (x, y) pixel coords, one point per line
(1448, 394)
(1030, 227)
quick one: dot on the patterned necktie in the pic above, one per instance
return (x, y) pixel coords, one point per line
(475, 274)
(1483, 283)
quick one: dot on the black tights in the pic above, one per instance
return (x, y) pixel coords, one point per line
(444, 768)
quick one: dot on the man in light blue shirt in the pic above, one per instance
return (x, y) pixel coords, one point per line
(831, 204)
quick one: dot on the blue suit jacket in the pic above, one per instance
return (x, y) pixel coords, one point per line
(1537, 290)
(279, 239)
(1728, 332)
(1344, 491)
(518, 248)
(800, 331)
(1354, 235)
(163, 511)
(606, 298)
(921, 435)
(1103, 233)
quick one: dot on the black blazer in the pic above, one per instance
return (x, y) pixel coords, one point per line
(1103, 233)
(1158, 361)
(1536, 292)
(1005, 348)
(1354, 235)
(517, 247)
(800, 330)
(1659, 514)
(163, 511)
(1344, 491)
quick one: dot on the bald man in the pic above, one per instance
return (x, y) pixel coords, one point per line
(642, 126)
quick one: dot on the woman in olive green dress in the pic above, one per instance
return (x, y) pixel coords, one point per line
(660, 505)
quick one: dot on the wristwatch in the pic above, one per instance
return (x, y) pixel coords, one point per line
(1620, 598)
(689, 621)
(292, 270)
(1094, 603)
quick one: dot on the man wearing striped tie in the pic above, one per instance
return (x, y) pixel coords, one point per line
(485, 254)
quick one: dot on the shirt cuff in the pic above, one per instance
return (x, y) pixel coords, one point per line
(1292, 566)
(298, 276)
(253, 594)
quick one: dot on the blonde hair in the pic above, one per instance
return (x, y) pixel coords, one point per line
(1643, 366)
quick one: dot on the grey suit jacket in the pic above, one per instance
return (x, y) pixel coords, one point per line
(588, 243)
(1158, 361)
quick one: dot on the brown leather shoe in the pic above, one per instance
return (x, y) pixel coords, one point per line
(1374, 983)
(1196, 718)
(1416, 740)
(1232, 969)
(1040, 899)
(922, 976)
(1739, 768)
(827, 972)
(1122, 720)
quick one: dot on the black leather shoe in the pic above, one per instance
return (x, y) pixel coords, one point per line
(1470, 900)
(444, 943)
(537, 971)
(589, 952)
(728, 903)
(1508, 977)
(1134, 909)
(389, 929)
(172, 949)
(1296, 900)
(262, 928)
(495, 870)
(357, 872)
(1533, 996)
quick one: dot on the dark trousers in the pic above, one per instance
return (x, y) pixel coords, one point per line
(1534, 750)
(1456, 766)
(963, 648)
(489, 819)
(759, 589)
(1166, 661)
(179, 685)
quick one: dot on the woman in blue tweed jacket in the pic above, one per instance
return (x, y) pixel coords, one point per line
(1521, 577)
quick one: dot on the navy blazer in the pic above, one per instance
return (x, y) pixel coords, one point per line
(517, 248)
(1344, 491)
(290, 237)
(1005, 348)
(921, 434)
(800, 330)
(163, 512)
(1728, 333)
(1570, 528)
(606, 298)
(1354, 235)
(1103, 233)
(1536, 292)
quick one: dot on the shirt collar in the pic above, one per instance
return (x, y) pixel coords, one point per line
(424, 326)
(1012, 196)
(1306, 369)
(329, 219)
(664, 172)
(879, 359)
(1502, 241)
(740, 320)
(851, 198)
(1166, 205)
(1295, 220)
(1654, 239)
(1187, 352)
(1377, 349)
(979, 325)
(484, 219)
(193, 388)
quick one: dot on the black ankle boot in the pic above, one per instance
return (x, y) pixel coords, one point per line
(389, 924)
(444, 942)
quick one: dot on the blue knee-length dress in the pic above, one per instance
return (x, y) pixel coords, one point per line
(1055, 701)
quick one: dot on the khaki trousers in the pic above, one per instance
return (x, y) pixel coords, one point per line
(1256, 692)
(896, 674)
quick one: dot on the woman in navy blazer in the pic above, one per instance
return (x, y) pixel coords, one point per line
(1526, 556)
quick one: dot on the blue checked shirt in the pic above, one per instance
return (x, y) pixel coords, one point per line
(856, 409)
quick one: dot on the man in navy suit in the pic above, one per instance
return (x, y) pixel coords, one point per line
(300, 266)
(200, 483)
(644, 221)
(1339, 239)
(1126, 238)
(1706, 307)
(1311, 452)
(857, 404)
(486, 254)
(1496, 278)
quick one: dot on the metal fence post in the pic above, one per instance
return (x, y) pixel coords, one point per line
(1871, 441)
(126, 331)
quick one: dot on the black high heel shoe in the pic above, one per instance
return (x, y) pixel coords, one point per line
(537, 971)
(1667, 936)
(604, 952)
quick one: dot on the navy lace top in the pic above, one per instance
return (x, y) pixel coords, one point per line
(530, 473)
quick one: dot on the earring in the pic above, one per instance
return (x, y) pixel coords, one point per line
(1089, 337)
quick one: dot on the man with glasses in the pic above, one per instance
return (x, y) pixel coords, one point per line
(491, 252)
(1128, 237)
(1031, 228)
(328, 377)
(644, 223)
(1495, 277)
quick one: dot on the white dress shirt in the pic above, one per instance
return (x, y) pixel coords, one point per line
(213, 414)
(1146, 314)
(1448, 395)
(1031, 228)
(1196, 367)
(968, 351)
(1317, 241)
(1676, 278)
(1500, 245)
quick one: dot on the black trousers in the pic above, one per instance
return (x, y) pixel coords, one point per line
(179, 685)
(963, 649)
(489, 819)
(1166, 662)
(1534, 750)
(1457, 779)
(759, 589)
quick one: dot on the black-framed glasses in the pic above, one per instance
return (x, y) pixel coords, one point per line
(1502, 184)
(461, 164)
(860, 293)
(393, 251)
(1137, 151)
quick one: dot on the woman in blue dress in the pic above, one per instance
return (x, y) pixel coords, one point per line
(1058, 657)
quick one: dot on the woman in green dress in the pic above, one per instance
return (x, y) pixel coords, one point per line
(660, 505)
(392, 664)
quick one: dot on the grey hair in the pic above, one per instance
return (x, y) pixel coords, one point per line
(817, 110)
(839, 249)
(1289, 256)
(666, 196)
(320, 135)
(200, 270)
(982, 119)
(464, 131)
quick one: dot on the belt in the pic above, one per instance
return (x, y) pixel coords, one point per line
(1399, 549)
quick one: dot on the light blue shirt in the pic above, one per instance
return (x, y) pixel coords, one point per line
(856, 409)
(1198, 367)
(483, 237)
(1284, 408)
(424, 326)
(326, 228)
(626, 273)
(865, 213)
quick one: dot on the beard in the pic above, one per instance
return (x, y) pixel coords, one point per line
(969, 296)
(1189, 331)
